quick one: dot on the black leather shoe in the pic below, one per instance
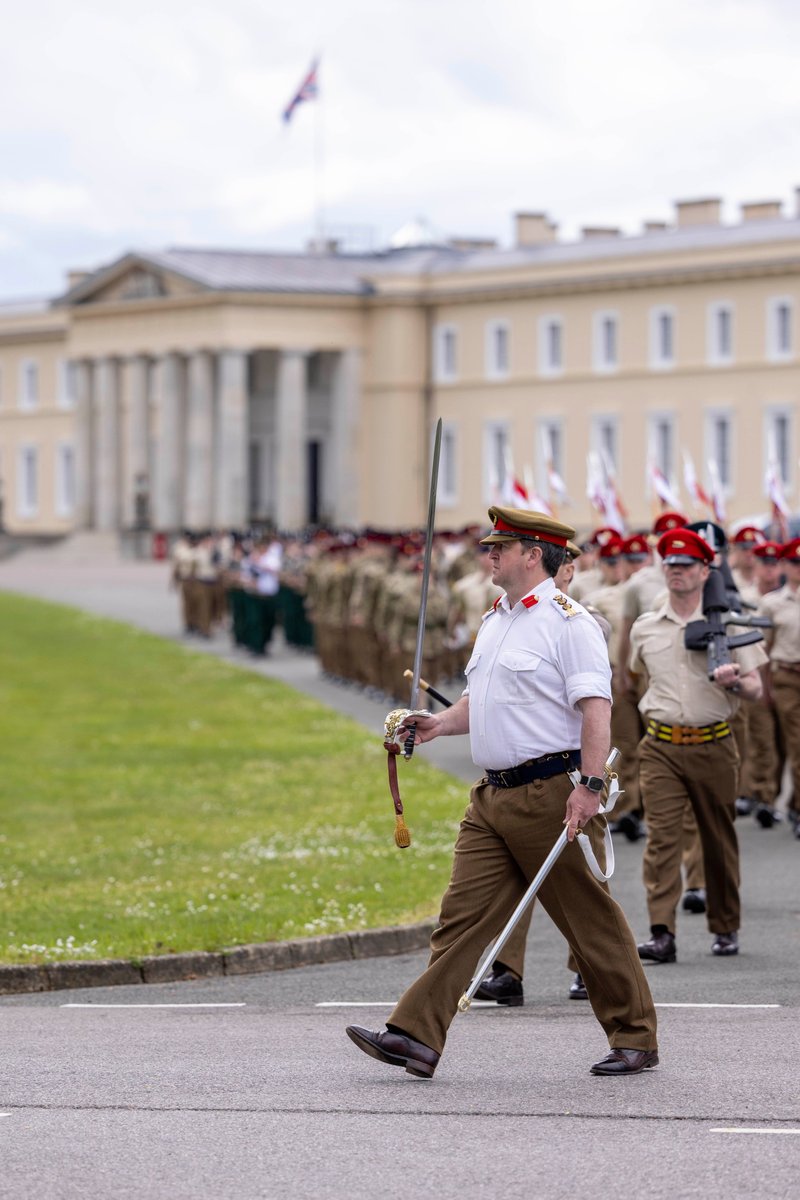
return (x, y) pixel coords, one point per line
(694, 900)
(397, 1049)
(577, 989)
(629, 825)
(725, 944)
(625, 1062)
(744, 805)
(504, 988)
(766, 816)
(661, 948)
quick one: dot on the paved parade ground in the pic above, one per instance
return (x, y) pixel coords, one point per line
(247, 1087)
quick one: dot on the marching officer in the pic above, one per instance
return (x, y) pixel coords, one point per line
(783, 607)
(688, 751)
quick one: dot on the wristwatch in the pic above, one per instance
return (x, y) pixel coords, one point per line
(593, 782)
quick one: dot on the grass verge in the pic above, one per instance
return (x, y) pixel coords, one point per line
(154, 800)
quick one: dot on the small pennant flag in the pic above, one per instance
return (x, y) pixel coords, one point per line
(308, 90)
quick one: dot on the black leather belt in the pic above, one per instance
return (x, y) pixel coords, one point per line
(535, 768)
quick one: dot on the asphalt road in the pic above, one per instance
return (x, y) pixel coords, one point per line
(247, 1087)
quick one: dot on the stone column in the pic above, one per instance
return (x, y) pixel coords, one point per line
(231, 458)
(135, 439)
(342, 472)
(107, 459)
(198, 499)
(168, 466)
(84, 456)
(291, 464)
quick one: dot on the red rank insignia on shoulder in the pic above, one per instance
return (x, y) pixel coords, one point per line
(529, 601)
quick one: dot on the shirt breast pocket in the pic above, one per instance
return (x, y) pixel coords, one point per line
(516, 677)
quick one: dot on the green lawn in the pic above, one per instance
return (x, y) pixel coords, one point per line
(155, 800)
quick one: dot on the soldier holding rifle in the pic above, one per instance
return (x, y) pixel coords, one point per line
(536, 705)
(688, 751)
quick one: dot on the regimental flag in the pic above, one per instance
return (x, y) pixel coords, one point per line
(663, 488)
(717, 493)
(555, 484)
(773, 487)
(536, 500)
(694, 487)
(602, 494)
(611, 486)
(308, 90)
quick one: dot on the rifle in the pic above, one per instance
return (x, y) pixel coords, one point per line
(710, 633)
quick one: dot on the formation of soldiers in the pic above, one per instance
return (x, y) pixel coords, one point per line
(355, 598)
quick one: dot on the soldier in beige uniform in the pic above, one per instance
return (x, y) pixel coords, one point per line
(592, 574)
(688, 750)
(783, 608)
(766, 752)
(183, 569)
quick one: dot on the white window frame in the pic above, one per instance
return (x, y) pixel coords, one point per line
(785, 412)
(545, 365)
(711, 417)
(444, 370)
(28, 397)
(447, 489)
(654, 421)
(776, 353)
(658, 361)
(65, 383)
(65, 479)
(27, 505)
(601, 362)
(598, 442)
(491, 429)
(494, 368)
(716, 354)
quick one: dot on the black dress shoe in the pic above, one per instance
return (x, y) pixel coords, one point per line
(745, 805)
(694, 900)
(625, 1062)
(397, 1049)
(766, 816)
(661, 948)
(725, 944)
(504, 988)
(577, 989)
(629, 825)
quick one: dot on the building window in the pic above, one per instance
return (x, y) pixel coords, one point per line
(551, 345)
(662, 338)
(719, 446)
(65, 480)
(719, 334)
(604, 341)
(447, 490)
(28, 482)
(66, 386)
(445, 353)
(605, 440)
(662, 444)
(497, 350)
(778, 443)
(780, 329)
(28, 383)
(552, 446)
(495, 459)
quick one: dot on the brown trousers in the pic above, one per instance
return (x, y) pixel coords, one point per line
(786, 694)
(706, 776)
(503, 840)
(626, 733)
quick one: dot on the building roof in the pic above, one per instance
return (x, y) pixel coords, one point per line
(333, 273)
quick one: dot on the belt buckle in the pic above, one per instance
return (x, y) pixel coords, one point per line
(677, 735)
(503, 781)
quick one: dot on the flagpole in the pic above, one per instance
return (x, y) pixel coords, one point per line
(319, 216)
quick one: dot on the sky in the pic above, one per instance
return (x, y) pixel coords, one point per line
(135, 126)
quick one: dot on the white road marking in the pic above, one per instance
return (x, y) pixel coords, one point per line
(735, 1129)
(492, 1004)
(719, 1006)
(153, 1005)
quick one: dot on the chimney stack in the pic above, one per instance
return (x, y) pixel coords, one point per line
(698, 212)
(591, 233)
(761, 210)
(534, 229)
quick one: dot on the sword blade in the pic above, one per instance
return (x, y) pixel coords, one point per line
(408, 747)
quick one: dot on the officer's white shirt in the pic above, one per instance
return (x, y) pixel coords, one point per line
(268, 566)
(531, 665)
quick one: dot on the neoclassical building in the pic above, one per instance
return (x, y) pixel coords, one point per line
(211, 388)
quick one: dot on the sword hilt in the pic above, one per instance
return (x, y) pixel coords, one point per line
(408, 744)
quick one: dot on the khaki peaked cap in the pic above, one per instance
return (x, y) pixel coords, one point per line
(508, 523)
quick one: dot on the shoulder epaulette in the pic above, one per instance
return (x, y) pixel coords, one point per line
(565, 604)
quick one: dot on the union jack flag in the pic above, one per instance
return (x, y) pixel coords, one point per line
(308, 90)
